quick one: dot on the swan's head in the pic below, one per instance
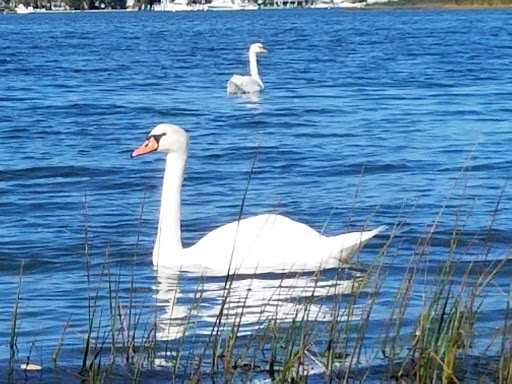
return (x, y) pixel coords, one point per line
(257, 48)
(166, 138)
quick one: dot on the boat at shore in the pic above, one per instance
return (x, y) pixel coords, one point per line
(347, 4)
(177, 6)
(54, 7)
(230, 5)
(21, 9)
(337, 4)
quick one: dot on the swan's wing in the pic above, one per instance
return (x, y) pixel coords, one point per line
(243, 84)
(264, 241)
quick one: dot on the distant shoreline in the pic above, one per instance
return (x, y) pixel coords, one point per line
(391, 5)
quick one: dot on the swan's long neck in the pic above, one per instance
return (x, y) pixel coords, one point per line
(253, 67)
(168, 240)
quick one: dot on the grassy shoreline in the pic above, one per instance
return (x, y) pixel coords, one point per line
(452, 4)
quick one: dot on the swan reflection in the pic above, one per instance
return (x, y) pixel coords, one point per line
(190, 301)
(251, 100)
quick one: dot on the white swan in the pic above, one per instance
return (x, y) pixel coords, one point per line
(249, 83)
(257, 244)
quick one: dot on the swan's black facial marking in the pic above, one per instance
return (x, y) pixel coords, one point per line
(156, 137)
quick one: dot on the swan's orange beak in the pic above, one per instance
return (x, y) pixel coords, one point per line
(149, 145)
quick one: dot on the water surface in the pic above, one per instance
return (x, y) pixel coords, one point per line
(370, 117)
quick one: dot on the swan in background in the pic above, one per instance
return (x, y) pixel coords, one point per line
(249, 83)
(260, 243)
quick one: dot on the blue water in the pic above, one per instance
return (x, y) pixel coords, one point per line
(376, 117)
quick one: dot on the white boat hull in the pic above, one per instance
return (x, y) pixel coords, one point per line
(230, 5)
(21, 9)
(177, 6)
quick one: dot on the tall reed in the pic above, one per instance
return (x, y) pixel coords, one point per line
(14, 328)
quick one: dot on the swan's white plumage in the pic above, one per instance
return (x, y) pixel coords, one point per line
(273, 242)
(243, 84)
(250, 83)
(260, 243)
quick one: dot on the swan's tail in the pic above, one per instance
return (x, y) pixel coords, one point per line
(343, 246)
